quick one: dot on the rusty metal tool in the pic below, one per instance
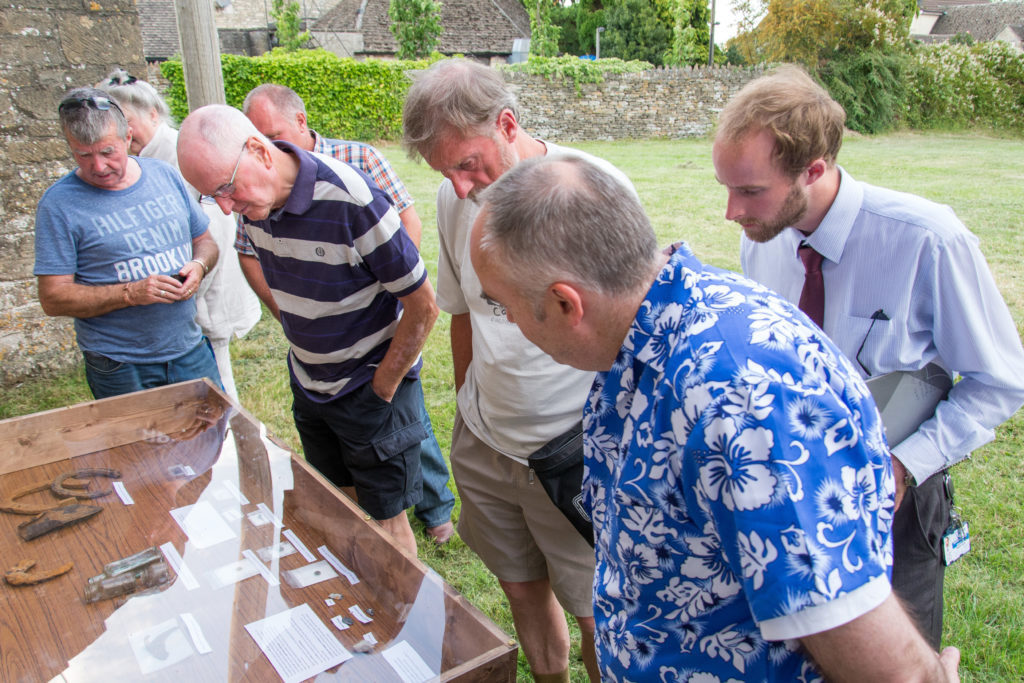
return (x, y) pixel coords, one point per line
(68, 487)
(58, 518)
(11, 504)
(21, 574)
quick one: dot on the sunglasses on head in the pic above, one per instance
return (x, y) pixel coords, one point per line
(96, 102)
(123, 80)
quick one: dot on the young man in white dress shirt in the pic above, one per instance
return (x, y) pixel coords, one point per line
(905, 285)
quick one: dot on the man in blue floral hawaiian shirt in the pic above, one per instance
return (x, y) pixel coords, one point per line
(737, 474)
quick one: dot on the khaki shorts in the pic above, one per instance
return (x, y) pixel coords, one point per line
(509, 521)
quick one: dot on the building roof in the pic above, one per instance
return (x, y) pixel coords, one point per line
(471, 27)
(940, 6)
(159, 29)
(983, 22)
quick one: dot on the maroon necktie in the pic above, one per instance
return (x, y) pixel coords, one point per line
(812, 298)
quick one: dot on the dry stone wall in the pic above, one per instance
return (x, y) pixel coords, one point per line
(46, 48)
(658, 103)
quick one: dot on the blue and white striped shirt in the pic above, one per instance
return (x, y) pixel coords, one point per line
(337, 261)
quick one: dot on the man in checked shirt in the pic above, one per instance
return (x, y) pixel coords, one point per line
(279, 113)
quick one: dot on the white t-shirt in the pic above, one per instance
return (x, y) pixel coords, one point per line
(515, 398)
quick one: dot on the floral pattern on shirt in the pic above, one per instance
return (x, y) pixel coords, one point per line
(736, 473)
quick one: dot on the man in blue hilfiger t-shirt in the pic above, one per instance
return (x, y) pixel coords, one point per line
(121, 247)
(353, 297)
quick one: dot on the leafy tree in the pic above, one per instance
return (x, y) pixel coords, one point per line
(746, 43)
(733, 55)
(543, 31)
(589, 16)
(812, 31)
(564, 17)
(416, 26)
(638, 29)
(691, 32)
(871, 87)
(286, 16)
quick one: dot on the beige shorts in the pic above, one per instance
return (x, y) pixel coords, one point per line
(509, 521)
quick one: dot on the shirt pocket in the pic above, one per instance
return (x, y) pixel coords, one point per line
(873, 342)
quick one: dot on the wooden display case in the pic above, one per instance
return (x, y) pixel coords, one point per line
(187, 448)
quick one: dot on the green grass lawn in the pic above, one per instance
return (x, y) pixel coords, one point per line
(981, 177)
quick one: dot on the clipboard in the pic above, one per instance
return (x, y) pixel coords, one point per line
(905, 399)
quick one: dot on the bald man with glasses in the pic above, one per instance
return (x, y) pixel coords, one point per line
(121, 247)
(352, 296)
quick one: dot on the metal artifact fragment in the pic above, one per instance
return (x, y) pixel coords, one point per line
(142, 570)
(10, 504)
(59, 488)
(21, 574)
(51, 520)
(67, 487)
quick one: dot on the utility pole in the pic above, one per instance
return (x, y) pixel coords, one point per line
(711, 42)
(597, 42)
(200, 52)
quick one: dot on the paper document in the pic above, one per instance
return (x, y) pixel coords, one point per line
(408, 663)
(297, 643)
(906, 399)
(201, 523)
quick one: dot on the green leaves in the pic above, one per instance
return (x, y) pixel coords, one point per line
(416, 26)
(344, 98)
(544, 32)
(286, 15)
(569, 68)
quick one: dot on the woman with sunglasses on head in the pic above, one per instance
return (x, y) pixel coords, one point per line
(225, 305)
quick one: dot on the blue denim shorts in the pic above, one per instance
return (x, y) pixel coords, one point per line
(108, 377)
(361, 440)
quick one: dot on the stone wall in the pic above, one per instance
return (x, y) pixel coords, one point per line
(46, 48)
(658, 103)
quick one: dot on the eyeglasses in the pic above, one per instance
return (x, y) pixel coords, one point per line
(228, 188)
(96, 102)
(122, 80)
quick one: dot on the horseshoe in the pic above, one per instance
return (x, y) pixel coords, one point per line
(58, 486)
(9, 505)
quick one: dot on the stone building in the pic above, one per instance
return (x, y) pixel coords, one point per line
(485, 31)
(46, 48)
(941, 20)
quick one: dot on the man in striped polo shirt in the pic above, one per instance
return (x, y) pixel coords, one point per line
(354, 300)
(278, 112)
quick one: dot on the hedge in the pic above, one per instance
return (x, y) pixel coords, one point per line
(344, 98)
(963, 86)
(945, 86)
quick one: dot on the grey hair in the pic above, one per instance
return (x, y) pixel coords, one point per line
(567, 219)
(131, 92)
(86, 124)
(285, 100)
(453, 94)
